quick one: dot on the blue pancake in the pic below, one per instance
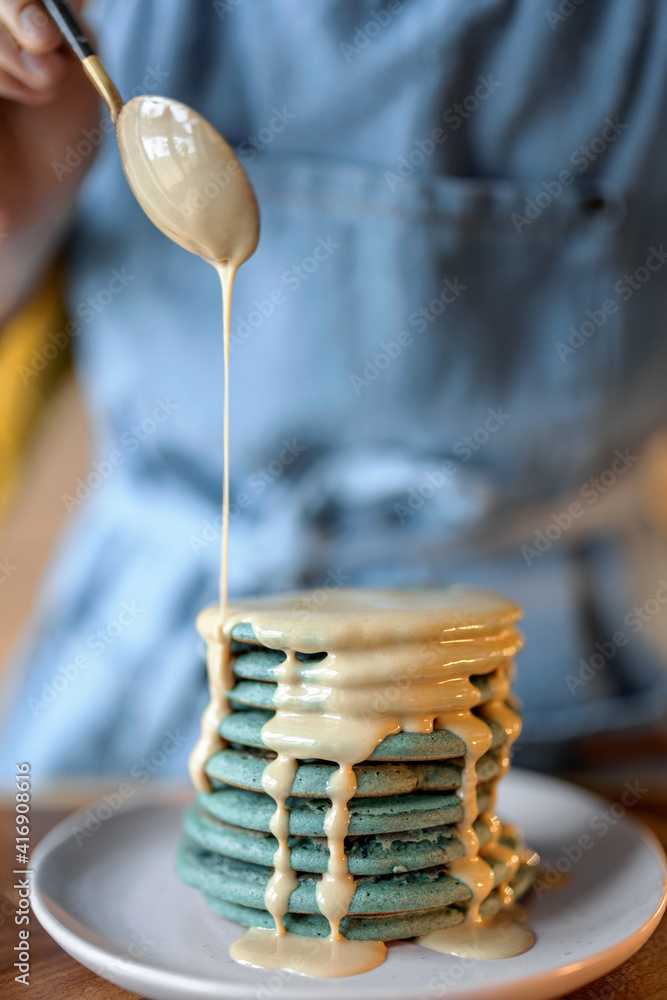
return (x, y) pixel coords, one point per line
(244, 769)
(375, 854)
(260, 694)
(402, 895)
(389, 814)
(256, 663)
(245, 729)
(241, 882)
(393, 926)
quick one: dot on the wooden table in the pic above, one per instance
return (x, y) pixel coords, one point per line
(56, 976)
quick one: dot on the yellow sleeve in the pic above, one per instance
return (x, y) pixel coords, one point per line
(34, 354)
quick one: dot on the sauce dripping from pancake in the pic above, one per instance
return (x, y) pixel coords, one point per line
(396, 661)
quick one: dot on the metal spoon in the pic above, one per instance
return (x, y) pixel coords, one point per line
(184, 175)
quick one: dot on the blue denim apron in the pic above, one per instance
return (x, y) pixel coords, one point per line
(441, 328)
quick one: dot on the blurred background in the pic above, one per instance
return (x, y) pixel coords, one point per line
(448, 365)
(448, 360)
(46, 452)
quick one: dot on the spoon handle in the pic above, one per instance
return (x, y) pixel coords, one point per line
(71, 28)
(76, 37)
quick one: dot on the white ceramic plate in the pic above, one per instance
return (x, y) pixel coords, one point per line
(113, 901)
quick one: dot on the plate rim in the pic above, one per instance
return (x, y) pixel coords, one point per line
(134, 975)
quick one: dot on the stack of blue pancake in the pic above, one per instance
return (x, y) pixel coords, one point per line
(402, 828)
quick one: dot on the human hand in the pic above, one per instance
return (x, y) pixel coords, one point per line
(46, 103)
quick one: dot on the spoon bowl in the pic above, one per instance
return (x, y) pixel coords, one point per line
(188, 180)
(184, 175)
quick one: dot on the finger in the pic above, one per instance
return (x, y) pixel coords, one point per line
(12, 89)
(37, 71)
(31, 26)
